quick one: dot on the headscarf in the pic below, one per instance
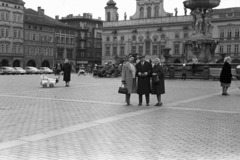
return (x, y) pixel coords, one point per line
(227, 58)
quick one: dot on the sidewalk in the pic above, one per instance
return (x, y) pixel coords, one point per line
(89, 121)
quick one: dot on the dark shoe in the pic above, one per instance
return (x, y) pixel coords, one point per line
(225, 94)
(128, 104)
(157, 104)
(147, 105)
(139, 104)
(160, 104)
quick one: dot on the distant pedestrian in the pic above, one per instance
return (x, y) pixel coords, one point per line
(226, 76)
(67, 72)
(58, 68)
(158, 84)
(184, 72)
(129, 78)
(144, 74)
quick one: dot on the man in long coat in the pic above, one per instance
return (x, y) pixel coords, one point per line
(144, 73)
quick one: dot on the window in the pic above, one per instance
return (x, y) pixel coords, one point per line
(122, 48)
(108, 39)
(221, 49)
(134, 38)
(147, 48)
(7, 16)
(39, 37)
(88, 44)
(2, 16)
(63, 40)
(176, 35)
(134, 49)
(19, 33)
(71, 41)
(229, 36)
(176, 48)
(114, 38)
(154, 49)
(228, 48)
(236, 48)
(141, 12)
(7, 32)
(149, 12)
(14, 18)
(114, 50)
(156, 11)
(237, 34)
(185, 35)
(3, 48)
(34, 36)
(14, 48)
(58, 40)
(67, 41)
(163, 36)
(99, 45)
(2, 32)
(222, 34)
(107, 50)
(19, 49)
(28, 50)
(69, 54)
(89, 34)
(7, 48)
(99, 35)
(15, 33)
(19, 18)
(122, 38)
(161, 49)
(88, 54)
(140, 50)
(108, 16)
(51, 52)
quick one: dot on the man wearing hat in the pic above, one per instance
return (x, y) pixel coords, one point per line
(144, 72)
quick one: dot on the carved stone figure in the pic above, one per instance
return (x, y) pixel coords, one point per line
(208, 24)
(185, 11)
(125, 16)
(198, 18)
(117, 16)
(176, 11)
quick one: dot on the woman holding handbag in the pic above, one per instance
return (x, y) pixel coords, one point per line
(129, 78)
(158, 85)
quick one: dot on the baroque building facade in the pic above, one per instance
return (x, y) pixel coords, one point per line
(11, 32)
(151, 29)
(89, 37)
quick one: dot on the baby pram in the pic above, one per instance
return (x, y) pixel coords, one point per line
(81, 71)
(236, 81)
(51, 82)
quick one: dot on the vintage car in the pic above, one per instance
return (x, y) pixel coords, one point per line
(45, 70)
(20, 69)
(8, 70)
(32, 70)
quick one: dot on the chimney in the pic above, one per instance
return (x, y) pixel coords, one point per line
(57, 17)
(42, 11)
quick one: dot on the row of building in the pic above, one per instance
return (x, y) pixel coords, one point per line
(31, 38)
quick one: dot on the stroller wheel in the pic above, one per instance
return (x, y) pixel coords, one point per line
(51, 85)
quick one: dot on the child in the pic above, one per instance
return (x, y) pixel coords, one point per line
(184, 72)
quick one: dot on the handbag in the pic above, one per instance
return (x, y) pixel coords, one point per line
(122, 90)
(156, 80)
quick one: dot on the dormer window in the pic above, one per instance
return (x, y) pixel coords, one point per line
(141, 12)
(134, 38)
(149, 12)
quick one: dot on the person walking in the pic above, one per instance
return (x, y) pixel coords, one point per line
(67, 72)
(58, 68)
(144, 74)
(158, 84)
(129, 78)
(184, 72)
(226, 76)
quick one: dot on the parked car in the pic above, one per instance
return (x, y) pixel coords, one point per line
(45, 70)
(32, 70)
(9, 70)
(21, 70)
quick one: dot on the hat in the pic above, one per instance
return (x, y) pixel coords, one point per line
(141, 56)
(130, 55)
(226, 58)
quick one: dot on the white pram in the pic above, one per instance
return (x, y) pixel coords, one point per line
(51, 82)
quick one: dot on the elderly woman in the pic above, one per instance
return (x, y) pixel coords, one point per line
(158, 86)
(226, 76)
(67, 72)
(129, 78)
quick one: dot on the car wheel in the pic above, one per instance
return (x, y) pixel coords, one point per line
(45, 85)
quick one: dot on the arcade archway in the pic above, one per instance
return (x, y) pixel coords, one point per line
(16, 63)
(45, 63)
(236, 61)
(31, 63)
(4, 62)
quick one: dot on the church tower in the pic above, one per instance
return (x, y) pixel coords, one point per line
(111, 13)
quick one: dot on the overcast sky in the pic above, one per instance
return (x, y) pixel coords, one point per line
(96, 7)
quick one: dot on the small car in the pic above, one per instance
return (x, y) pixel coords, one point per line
(21, 70)
(32, 70)
(8, 70)
(45, 70)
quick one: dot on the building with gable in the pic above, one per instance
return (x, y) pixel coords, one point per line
(151, 29)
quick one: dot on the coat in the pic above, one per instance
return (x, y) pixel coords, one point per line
(226, 74)
(67, 72)
(144, 82)
(127, 78)
(158, 88)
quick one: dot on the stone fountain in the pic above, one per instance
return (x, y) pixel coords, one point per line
(201, 43)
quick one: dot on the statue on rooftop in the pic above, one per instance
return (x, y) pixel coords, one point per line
(176, 11)
(185, 11)
(125, 16)
(117, 16)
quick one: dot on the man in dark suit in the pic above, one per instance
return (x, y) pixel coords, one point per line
(144, 73)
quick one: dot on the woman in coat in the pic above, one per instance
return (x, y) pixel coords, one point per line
(129, 78)
(226, 76)
(158, 86)
(67, 72)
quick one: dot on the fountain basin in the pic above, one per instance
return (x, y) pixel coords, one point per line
(193, 4)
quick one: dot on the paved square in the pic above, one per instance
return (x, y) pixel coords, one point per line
(89, 121)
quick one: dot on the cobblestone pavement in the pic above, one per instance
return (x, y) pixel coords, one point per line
(89, 121)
